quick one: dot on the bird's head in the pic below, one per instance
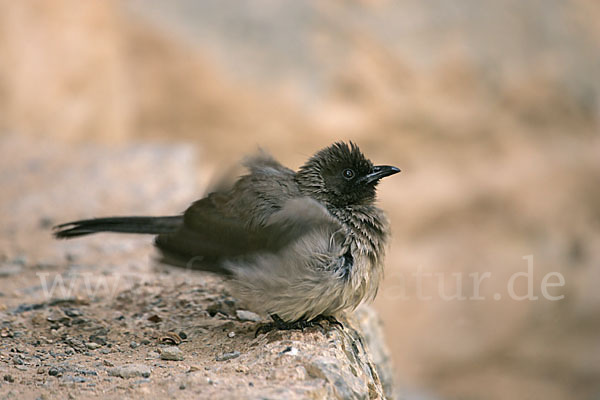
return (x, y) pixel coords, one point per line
(340, 175)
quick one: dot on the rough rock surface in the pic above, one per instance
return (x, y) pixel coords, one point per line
(98, 317)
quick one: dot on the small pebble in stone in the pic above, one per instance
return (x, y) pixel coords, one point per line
(154, 318)
(182, 386)
(100, 340)
(9, 378)
(231, 334)
(145, 342)
(130, 371)
(244, 315)
(228, 356)
(72, 312)
(133, 345)
(74, 379)
(92, 345)
(171, 353)
(183, 335)
(290, 351)
(87, 372)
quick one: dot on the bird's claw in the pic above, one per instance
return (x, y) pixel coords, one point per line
(330, 319)
(281, 325)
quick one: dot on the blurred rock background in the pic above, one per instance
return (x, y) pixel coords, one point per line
(491, 109)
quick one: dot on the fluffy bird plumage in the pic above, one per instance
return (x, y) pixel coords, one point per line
(296, 244)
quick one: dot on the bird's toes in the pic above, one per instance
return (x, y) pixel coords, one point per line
(335, 322)
(281, 325)
(265, 328)
(301, 324)
(323, 330)
(330, 319)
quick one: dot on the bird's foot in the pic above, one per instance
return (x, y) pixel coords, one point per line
(301, 324)
(281, 325)
(330, 319)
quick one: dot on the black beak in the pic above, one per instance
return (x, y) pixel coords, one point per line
(380, 171)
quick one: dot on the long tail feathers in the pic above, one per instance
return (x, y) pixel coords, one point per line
(147, 225)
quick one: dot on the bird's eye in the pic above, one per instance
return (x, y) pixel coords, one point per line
(348, 173)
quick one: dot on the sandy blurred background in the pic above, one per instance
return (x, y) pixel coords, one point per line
(491, 109)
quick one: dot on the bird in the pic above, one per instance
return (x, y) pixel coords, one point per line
(301, 246)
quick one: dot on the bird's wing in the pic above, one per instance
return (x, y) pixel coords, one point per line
(211, 234)
(207, 235)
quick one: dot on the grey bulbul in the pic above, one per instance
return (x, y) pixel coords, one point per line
(301, 246)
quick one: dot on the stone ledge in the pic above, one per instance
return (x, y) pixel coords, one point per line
(128, 327)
